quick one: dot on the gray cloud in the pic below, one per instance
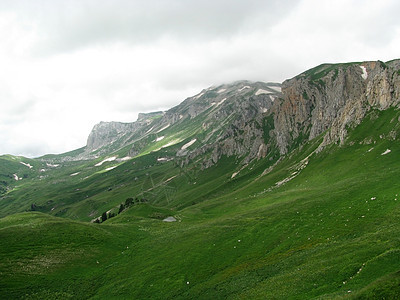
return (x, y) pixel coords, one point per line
(69, 25)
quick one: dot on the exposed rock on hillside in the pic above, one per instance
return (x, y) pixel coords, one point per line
(332, 98)
(228, 118)
(106, 133)
(252, 120)
(117, 134)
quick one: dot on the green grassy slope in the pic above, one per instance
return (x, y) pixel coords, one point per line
(16, 171)
(330, 230)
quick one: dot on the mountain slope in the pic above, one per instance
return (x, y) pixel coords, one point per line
(330, 230)
(276, 194)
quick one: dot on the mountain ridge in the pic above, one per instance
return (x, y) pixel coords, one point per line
(329, 97)
(212, 102)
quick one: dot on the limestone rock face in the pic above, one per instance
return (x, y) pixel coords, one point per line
(333, 97)
(228, 118)
(110, 136)
(106, 133)
(232, 121)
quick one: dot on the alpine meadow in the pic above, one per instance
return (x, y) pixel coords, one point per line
(247, 190)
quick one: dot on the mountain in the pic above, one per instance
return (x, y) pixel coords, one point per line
(327, 97)
(246, 190)
(216, 116)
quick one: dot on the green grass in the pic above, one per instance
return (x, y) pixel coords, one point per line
(317, 73)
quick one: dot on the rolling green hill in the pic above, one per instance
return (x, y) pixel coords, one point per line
(316, 215)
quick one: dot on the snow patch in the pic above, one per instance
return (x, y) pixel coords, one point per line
(52, 166)
(221, 91)
(16, 177)
(243, 88)
(364, 75)
(74, 174)
(234, 175)
(160, 138)
(187, 145)
(276, 88)
(222, 101)
(162, 159)
(261, 91)
(165, 127)
(169, 219)
(198, 96)
(27, 165)
(106, 160)
(149, 130)
(167, 145)
(125, 158)
(110, 168)
(386, 152)
(170, 144)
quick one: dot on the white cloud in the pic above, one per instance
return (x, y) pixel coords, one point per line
(70, 64)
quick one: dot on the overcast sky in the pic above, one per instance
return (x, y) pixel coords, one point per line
(67, 65)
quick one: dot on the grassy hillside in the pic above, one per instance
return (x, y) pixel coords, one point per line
(317, 225)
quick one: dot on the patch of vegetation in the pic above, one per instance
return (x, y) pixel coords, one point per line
(268, 125)
(324, 69)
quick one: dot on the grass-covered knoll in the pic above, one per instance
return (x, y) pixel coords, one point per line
(317, 225)
(50, 258)
(317, 73)
(322, 70)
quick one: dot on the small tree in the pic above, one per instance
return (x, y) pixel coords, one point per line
(128, 202)
(104, 216)
(121, 208)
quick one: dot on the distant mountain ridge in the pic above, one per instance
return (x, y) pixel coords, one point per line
(220, 113)
(255, 119)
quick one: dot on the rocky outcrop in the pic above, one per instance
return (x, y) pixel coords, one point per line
(229, 119)
(114, 135)
(106, 133)
(332, 98)
(232, 121)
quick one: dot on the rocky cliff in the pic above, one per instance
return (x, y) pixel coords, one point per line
(333, 98)
(253, 120)
(224, 120)
(112, 135)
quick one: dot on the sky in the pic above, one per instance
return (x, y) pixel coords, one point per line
(66, 65)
